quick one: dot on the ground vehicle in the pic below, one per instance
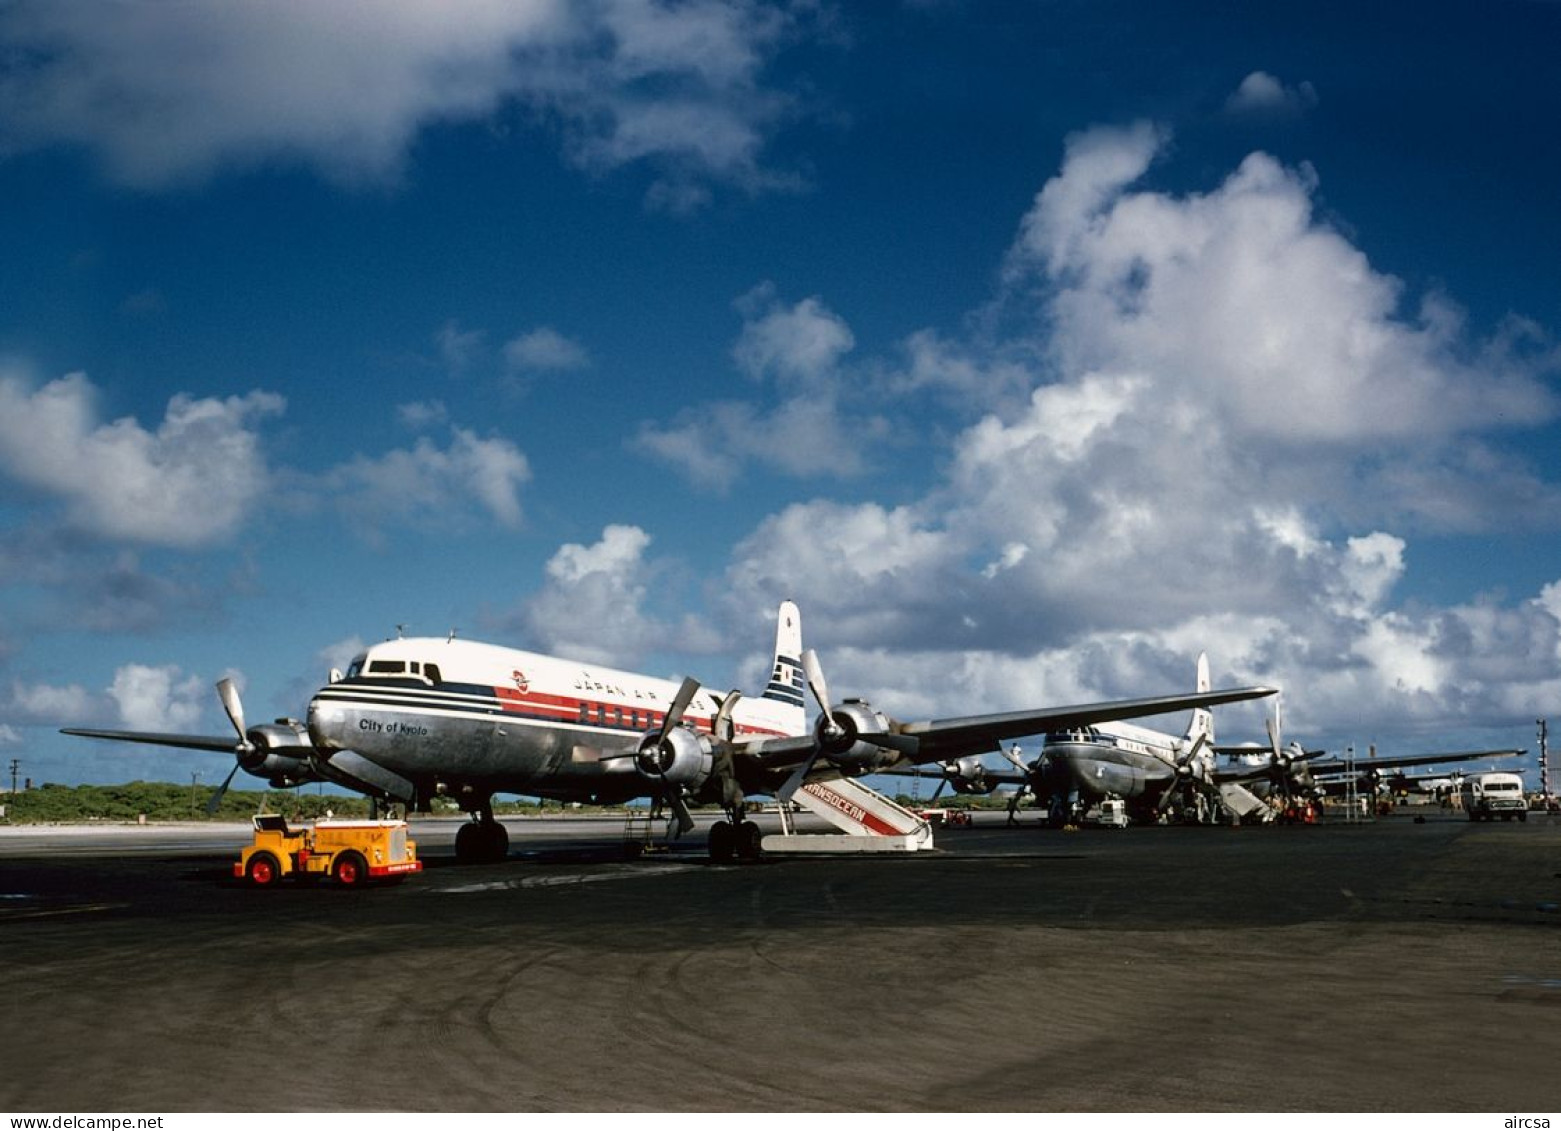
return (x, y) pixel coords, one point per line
(1487, 796)
(351, 852)
(1109, 813)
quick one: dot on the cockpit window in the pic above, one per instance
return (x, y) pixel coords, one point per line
(355, 669)
(387, 667)
(431, 671)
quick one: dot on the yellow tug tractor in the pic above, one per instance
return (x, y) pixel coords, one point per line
(351, 852)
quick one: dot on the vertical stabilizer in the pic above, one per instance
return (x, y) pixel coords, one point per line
(1202, 725)
(786, 685)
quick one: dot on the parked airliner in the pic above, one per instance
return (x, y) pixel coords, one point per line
(412, 719)
(1156, 774)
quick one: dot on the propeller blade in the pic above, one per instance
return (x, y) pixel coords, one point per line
(1013, 759)
(685, 819)
(227, 691)
(906, 744)
(939, 791)
(216, 798)
(723, 727)
(793, 783)
(814, 672)
(686, 692)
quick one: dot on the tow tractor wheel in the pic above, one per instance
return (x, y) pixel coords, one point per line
(723, 842)
(350, 870)
(263, 870)
(749, 839)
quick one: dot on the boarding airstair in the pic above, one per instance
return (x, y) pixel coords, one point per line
(1241, 801)
(868, 821)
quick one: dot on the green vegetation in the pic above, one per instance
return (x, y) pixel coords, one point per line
(168, 801)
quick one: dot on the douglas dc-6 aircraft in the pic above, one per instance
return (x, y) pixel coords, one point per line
(412, 719)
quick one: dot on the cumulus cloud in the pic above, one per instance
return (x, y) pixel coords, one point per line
(50, 705)
(1261, 93)
(802, 423)
(191, 482)
(422, 415)
(431, 483)
(158, 698)
(1234, 428)
(593, 605)
(458, 348)
(796, 345)
(171, 93)
(545, 349)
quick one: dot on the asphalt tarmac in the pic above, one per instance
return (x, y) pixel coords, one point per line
(1383, 966)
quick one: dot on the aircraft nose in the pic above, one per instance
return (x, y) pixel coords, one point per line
(323, 722)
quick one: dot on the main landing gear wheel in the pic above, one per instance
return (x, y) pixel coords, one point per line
(263, 870)
(742, 840)
(749, 841)
(481, 842)
(723, 842)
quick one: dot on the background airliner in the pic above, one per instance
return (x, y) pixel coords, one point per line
(416, 718)
(1163, 775)
(1155, 773)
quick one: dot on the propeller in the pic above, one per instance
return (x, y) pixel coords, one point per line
(942, 783)
(1185, 776)
(227, 691)
(830, 734)
(828, 730)
(658, 742)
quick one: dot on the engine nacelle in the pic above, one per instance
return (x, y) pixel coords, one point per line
(682, 758)
(843, 745)
(281, 753)
(968, 775)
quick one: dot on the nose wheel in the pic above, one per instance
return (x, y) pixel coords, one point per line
(482, 841)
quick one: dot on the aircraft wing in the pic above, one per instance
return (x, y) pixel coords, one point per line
(988, 775)
(941, 740)
(1338, 766)
(220, 743)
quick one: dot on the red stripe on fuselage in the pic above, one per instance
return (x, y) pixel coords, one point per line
(566, 708)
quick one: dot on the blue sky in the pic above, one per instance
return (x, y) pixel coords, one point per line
(1030, 348)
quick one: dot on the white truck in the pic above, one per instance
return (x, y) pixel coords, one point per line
(1488, 796)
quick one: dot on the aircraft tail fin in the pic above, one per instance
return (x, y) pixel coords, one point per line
(786, 687)
(1202, 725)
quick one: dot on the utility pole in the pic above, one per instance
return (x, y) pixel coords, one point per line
(15, 763)
(1350, 791)
(1544, 762)
(194, 777)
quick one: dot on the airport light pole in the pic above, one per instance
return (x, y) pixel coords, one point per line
(15, 764)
